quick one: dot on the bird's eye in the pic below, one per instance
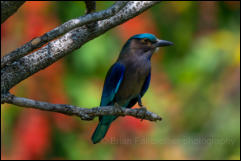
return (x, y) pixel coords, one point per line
(145, 41)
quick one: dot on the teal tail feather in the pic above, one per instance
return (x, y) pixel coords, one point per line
(102, 128)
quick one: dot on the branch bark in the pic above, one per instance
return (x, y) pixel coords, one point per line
(60, 30)
(8, 8)
(83, 113)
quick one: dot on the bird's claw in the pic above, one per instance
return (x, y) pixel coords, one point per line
(139, 101)
(143, 110)
(141, 105)
(117, 106)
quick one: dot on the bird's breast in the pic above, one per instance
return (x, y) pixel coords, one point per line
(134, 77)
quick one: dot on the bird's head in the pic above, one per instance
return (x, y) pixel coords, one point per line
(143, 45)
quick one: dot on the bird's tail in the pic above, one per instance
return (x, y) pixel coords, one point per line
(102, 129)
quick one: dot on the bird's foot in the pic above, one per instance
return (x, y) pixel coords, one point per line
(139, 101)
(117, 106)
(141, 105)
(143, 109)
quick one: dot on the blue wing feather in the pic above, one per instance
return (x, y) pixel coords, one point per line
(146, 84)
(112, 83)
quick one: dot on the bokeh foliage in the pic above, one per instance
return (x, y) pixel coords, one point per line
(195, 86)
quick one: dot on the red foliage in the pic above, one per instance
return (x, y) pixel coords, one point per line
(31, 136)
(37, 18)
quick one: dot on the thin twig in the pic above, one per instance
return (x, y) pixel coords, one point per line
(83, 113)
(90, 6)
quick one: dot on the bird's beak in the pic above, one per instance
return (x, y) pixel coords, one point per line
(161, 43)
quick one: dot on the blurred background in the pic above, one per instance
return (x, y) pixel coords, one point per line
(195, 86)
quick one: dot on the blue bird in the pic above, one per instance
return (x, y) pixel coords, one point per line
(129, 78)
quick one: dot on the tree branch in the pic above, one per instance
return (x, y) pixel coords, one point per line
(60, 30)
(83, 113)
(56, 49)
(8, 8)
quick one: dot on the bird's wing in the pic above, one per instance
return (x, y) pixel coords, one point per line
(112, 83)
(146, 84)
(143, 90)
